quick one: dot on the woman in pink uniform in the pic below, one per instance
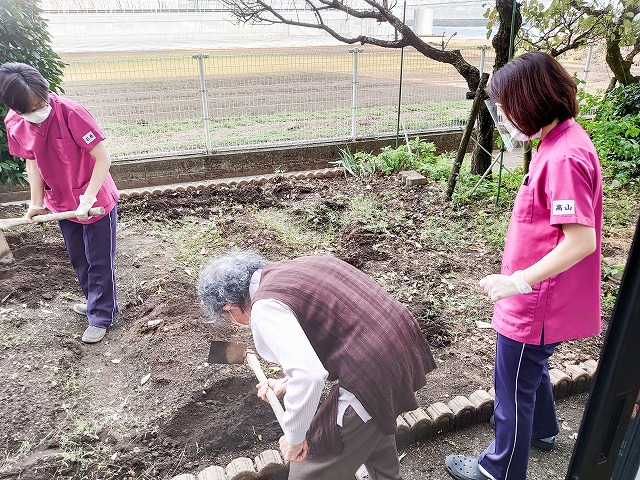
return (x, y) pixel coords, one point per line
(68, 169)
(549, 288)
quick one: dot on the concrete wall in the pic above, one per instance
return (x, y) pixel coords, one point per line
(163, 171)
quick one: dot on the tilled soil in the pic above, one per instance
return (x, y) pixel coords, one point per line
(70, 410)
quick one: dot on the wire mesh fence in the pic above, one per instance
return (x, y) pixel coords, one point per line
(161, 104)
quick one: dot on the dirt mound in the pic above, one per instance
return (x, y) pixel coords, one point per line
(41, 269)
(225, 417)
(435, 329)
(360, 246)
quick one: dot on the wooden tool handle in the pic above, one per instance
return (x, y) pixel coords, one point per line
(48, 217)
(271, 395)
(65, 215)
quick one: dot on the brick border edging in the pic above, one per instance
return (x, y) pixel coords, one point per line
(222, 182)
(457, 414)
(229, 182)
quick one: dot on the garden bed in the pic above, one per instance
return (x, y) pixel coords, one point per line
(70, 410)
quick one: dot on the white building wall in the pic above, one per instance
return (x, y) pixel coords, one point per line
(87, 32)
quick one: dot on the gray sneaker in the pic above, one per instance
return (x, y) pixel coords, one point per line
(93, 334)
(545, 444)
(80, 308)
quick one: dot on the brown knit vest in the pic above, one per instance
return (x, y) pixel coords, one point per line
(365, 339)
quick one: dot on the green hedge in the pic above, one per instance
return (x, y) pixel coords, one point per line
(615, 130)
(24, 38)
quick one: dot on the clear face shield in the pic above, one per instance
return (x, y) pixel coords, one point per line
(505, 127)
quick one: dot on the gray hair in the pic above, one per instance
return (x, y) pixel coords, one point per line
(226, 280)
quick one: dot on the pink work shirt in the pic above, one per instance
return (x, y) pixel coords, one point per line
(564, 186)
(60, 148)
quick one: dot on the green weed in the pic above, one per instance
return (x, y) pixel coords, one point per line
(289, 230)
(83, 448)
(368, 212)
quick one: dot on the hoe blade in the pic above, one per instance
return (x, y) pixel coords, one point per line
(227, 352)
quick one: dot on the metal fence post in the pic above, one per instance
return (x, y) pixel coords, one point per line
(354, 91)
(587, 64)
(483, 53)
(203, 95)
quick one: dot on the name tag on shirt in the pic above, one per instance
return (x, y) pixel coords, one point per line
(563, 207)
(89, 137)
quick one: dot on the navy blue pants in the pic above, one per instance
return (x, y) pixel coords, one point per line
(524, 407)
(92, 248)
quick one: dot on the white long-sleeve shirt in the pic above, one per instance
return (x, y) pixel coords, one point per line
(279, 338)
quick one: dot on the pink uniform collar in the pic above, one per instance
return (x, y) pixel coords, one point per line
(557, 130)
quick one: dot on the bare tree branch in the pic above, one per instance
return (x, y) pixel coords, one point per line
(260, 11)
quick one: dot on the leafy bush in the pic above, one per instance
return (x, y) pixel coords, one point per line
(24, 38)
(498, 189)
(418, 156)
(626, 100)
(615, 130)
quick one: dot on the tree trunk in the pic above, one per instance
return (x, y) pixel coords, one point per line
(464, 143)
(481, 160)
(620, 66)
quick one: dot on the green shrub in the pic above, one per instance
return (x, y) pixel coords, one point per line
(615, 130)
(24, 38)
(418, 156)
(625, 100)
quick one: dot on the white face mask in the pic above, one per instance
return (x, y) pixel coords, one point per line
(517, 134)
(38, 116)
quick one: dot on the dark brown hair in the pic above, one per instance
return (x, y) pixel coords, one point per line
(534, 90)
(22, 87)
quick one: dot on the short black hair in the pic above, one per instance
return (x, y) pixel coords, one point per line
(533, 90)
(22, 86)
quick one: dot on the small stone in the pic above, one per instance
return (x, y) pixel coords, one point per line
(145, 379)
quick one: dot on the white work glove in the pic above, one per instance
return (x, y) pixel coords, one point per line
(504, 286)
(279, 387)
(293, 453)
(33, 211)
(86, 202)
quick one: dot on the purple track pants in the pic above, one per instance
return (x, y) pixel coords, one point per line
(524, 407)
(91, 248)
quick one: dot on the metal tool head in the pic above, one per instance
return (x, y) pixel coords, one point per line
(227, 352)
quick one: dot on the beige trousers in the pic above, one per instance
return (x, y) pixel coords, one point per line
(363, 444)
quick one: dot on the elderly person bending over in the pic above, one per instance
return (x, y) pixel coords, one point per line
(322, 319)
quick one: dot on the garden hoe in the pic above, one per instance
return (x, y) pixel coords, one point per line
(5, 253)
(229, 352)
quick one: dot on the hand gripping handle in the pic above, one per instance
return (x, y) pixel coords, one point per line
(47, 217)
(271, 395)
